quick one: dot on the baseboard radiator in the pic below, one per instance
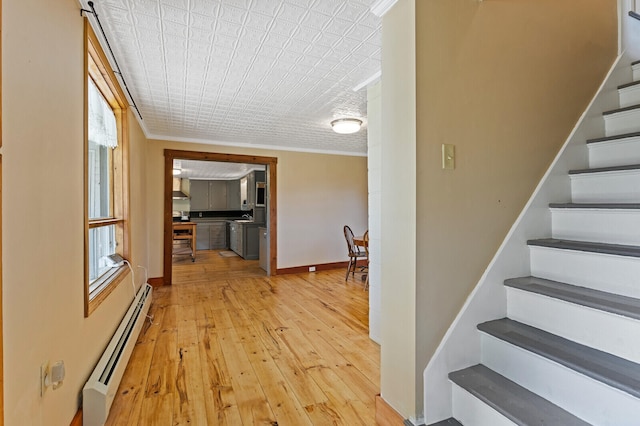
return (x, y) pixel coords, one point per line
(101, 388)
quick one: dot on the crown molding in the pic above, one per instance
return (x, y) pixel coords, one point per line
(380, 7)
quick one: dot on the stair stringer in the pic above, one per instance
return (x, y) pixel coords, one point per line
(460, 346)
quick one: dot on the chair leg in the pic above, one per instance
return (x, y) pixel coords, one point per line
(348, 269)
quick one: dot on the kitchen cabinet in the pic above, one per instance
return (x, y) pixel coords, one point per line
(233, 194)
(208, 195)
(244, 239)
(211, 235)
(249, 194)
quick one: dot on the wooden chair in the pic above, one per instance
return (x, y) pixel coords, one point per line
(365, 237)
(354, 252)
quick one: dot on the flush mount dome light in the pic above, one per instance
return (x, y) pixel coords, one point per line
(176, 172)
(346, 125)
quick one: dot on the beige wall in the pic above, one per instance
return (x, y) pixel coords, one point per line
(317, 195)
(504, 82)
(43, 243)
(398, 379)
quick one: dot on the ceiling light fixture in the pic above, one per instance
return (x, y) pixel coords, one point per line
(346, 125)
(176, 172)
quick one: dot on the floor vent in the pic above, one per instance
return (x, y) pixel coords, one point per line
(100, 389)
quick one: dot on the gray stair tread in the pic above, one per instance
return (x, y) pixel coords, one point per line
(448, 422)
(606, 169)
(624, 109)
(633, 83)
(602, 366)
(602, 206)
(614, 137)
(588, 246)
(607, 302)
(518, 404)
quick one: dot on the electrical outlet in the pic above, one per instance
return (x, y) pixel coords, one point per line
(44, 372)
(312, 268)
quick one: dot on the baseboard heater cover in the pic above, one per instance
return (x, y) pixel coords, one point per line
(101, 388)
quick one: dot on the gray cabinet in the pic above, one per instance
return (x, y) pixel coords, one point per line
(202, 236)
(244, 239)
(199, 195)
(249, 194)
(233, 194)
(211, 235)
(208, 195)
(218, 235)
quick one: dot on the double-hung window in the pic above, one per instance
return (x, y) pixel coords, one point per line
(106, 177)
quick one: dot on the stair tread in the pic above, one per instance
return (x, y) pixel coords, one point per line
(631, 84)
(607, 302)
(623, 109)
(606, 169)
(614, 137)
(602, 366)
(510, 399)
(596, 206)
(447, 422)
(588, 246)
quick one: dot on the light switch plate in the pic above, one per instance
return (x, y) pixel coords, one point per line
(448, 156)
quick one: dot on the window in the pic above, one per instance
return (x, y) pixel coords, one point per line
(106, 180)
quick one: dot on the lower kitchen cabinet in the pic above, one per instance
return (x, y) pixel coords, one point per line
(211, 235)
(244, 239)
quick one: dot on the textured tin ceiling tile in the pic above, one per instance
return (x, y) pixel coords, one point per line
(247, 71)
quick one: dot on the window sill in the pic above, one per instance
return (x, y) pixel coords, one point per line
(107, 283)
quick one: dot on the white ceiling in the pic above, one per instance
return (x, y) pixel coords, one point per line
(196, 169)
(267, 73)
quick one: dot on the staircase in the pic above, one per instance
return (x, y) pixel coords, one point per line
(568, 352)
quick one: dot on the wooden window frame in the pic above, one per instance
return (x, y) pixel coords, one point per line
(96, 67)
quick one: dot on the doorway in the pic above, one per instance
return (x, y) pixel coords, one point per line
(271, 196)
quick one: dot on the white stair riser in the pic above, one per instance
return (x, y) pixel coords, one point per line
(604, 225)
(588, 399)
(607, 187)
(636, 72)
(591, 327)
(622, 122)
(621, 152)
(470, 411)
(629, 96)
(613, 274)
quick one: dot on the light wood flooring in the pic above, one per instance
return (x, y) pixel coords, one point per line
(230, 346)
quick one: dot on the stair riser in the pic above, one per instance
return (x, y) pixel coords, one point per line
(603, 226)
(622, 122)
(470, 411)
(613, 274)
(629, 96)
(591, 327)
(586, 398)
(614, 153)
(609, 187)
(636, 72)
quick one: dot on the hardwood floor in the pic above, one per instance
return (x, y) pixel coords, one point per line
(230, 346)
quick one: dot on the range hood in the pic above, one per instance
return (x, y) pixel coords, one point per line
(179, 195)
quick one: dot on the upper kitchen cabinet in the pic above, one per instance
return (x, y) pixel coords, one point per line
(233, 194)
(208, 195)
(248, 188)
